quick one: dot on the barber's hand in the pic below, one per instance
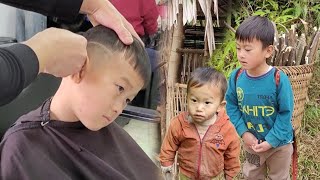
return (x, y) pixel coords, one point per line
(60, 52)
(103, 12)
(262, 147)
(249, 139)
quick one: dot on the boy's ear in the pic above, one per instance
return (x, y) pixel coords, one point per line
(222, 105)
(269, 50)
(78, 77)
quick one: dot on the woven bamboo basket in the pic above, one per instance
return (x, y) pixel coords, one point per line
(178, 103)
(300, 77)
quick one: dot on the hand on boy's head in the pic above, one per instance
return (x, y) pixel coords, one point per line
(60, 52)
(249, 139)
(261, 147)
(104, 13)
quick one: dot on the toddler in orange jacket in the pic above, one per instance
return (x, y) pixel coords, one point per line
(207, 143)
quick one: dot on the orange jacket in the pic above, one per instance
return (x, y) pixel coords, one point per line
(218, 151)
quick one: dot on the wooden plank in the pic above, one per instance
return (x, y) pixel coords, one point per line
(292, 43)
(182, 50)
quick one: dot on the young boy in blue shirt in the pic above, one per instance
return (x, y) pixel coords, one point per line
(260, 103)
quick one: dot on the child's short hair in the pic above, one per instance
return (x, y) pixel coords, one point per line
(134, 53)
(257, 27)
(208, 75)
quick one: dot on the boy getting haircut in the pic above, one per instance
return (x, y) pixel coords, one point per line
(207, 143)
(260, 103)
(72, 135)
(112, 44)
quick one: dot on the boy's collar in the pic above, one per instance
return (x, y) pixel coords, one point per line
(45, 111)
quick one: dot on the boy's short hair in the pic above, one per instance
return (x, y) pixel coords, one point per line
(208, 75)
(134, 53)
(260, 28)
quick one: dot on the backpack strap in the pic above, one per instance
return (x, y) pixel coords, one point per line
(295, 157)
(277, 76)
(240, 70)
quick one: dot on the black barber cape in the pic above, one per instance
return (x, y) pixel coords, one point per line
(63, 150)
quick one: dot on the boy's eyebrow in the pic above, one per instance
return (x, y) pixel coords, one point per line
(127, 81)
(238, 44)
(209, 98)
(194, 96)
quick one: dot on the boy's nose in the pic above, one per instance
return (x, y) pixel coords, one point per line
(118, 107)
(199, 107)
(240, 54)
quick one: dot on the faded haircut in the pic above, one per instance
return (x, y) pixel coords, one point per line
(134, 53)
(260, 28)
(208, 76)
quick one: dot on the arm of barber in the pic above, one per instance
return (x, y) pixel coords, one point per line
(54, 51)
(64, 9)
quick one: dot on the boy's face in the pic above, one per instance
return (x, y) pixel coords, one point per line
(252, 55)
(204, 102)
(104, 90)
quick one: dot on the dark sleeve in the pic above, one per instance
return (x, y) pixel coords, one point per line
(19, 66)
(63, 9)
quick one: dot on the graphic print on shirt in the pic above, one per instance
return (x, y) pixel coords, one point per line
(239, 94)
(218, 140)
(256, 109)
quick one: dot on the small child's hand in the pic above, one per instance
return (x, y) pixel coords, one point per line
(167, 169)
(249, 139)
(262, 147)
(226, 177)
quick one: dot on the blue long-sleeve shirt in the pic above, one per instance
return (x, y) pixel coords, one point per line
(259, 106)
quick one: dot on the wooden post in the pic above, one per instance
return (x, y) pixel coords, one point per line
(174, 60)
(165, 49)
(177, 42)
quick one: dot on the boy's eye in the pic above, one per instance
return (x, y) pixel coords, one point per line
(120, 88)
(208, 102)
(238, 48)
(193, 100)
(248, 50)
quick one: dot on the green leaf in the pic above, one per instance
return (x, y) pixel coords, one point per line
(289, 11)
(274, 5)
(259, 13)
(298, 9)
(315, 8)
(283, 19)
